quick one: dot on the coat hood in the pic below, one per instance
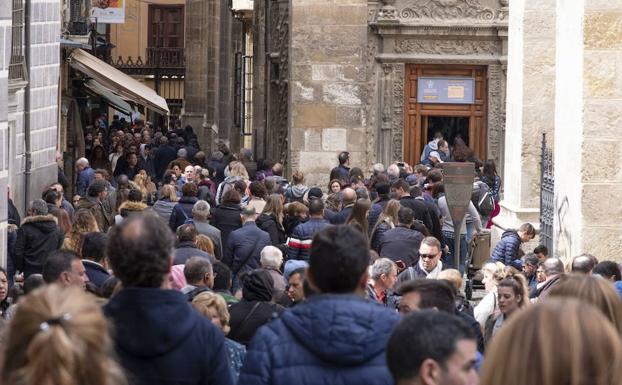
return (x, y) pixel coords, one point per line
(150, 322)
(342, 329)
(132, 206)
(298, 191)
(257, 285)
(45, 223)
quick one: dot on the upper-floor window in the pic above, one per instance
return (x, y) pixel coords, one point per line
(166, 26)
(17, 65)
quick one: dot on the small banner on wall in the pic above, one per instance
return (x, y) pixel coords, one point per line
(108, 11)
(446, 90)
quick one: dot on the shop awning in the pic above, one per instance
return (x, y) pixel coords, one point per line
(116, 81)
(113, 99)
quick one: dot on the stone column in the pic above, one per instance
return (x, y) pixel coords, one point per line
(328, 85)
(201, 84)
(588, 134)
(530, 108)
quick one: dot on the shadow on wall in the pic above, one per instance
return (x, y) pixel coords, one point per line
(564, 237)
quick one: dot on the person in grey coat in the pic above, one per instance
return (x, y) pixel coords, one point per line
(200, 216)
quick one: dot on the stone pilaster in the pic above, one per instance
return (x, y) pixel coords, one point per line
(329, 85)
(588, 115)
(530, 108)
(5, 56)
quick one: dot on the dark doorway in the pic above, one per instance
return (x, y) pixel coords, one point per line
(449, 126)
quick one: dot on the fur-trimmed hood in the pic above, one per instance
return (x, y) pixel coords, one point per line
(128, 206)
(45, 223)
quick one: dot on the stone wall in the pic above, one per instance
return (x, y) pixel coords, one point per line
(588, 112)
(328, 85)
(602, 133)
(530, 108)
(5, 57)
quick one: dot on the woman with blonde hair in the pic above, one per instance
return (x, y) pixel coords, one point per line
(204, 243)
(557, 341)
(83, 222)
(593, 290)
(493, 273)
(146, 187)
(168, 200)
(214, 307)
(512, 295)
(386, 221)
(59, 336)
(233, 173)
(271, 220)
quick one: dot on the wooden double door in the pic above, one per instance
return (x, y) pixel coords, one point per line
(422, 120)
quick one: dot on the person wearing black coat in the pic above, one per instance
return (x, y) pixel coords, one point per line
(255, 308)
(269, 224)
(226, 216)
(244, 245)
(165, 155)
(38, 236)
(419, 208)
(401, 243)
(159, 338)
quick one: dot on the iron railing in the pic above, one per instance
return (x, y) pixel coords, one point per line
(547, 196)
(166, 61)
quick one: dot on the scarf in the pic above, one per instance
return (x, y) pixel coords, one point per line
(434, 273)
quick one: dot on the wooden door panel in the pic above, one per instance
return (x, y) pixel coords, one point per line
(415, 125)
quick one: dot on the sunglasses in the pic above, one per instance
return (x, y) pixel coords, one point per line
(427, 256)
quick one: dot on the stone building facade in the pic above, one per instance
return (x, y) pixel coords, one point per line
(28, 102)
(351, 74)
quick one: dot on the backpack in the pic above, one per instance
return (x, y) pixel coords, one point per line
(482, 198)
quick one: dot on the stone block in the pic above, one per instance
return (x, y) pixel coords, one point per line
(538, 24)
(313, 115)
(304, 92)
(599, 75)
(327, 72)
(597, 197)
(601, 161)
(334, 139)
(316, 162)
(603, 29)
(357, 140)
(602, 119)
(301, 72)
(318, 13)
(312, 141)
(605, 242)
(350, 116)
(343, 94)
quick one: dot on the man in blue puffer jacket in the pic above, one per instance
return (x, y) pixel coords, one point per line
(507, 250)
(336, 336)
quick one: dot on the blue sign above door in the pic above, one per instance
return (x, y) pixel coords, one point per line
(445, 90)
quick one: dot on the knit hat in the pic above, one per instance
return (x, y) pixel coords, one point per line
(293, 265)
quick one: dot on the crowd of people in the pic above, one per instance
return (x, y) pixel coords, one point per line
(169, 266)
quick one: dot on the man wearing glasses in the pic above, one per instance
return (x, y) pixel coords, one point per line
(429, 264)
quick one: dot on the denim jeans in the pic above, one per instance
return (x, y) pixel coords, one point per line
(449, 257)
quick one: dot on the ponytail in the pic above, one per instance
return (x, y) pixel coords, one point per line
(518, 283)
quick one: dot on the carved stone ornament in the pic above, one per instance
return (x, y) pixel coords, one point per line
(447, 10)
(446, 47)
(398, 111)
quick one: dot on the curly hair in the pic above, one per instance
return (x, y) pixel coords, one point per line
(83, 222)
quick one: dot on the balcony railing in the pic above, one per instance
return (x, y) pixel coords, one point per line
(158, 61)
